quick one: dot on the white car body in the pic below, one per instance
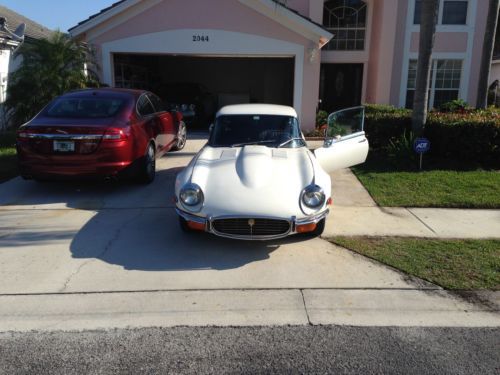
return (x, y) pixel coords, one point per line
(255, 182)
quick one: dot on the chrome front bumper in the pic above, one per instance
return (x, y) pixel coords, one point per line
(208, 223)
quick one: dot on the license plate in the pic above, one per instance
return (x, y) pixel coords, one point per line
(64, 146)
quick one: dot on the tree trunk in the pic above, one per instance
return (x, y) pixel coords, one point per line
(428, 21)
(488, 45)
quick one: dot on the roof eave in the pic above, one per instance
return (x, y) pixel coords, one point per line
(269, 8)
(95, 20)
(291, 20)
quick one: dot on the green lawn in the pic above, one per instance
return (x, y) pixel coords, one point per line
(453, 264)
(392, 187)
(8, 162)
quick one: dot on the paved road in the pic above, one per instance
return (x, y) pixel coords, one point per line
(306, 349)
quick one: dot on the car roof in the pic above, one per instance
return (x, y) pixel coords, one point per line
(105, 91)
(257, 109)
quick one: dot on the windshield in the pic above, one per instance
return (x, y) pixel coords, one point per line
(265, 130)
(85, 107)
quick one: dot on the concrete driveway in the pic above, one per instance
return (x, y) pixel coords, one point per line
(73, 250)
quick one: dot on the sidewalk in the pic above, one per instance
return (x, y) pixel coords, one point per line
(354, 213)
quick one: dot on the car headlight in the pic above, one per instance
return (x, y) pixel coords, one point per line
(191, 195)
(313, 196)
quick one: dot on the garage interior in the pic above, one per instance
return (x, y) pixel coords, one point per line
(224, 80)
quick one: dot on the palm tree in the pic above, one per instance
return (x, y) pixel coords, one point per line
(488, 46)
(428, 21)
(49, 68)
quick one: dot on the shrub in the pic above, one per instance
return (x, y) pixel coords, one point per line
(321, 118)
(384, 124)
(471, 136)
(457, 105)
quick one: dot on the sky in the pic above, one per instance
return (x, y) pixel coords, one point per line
(57, 14)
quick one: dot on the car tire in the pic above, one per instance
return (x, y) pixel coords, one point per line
(320, 227)
(184, 226)
(180, 140)
(147, 170)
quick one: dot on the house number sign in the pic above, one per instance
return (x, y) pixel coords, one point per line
(200, 38)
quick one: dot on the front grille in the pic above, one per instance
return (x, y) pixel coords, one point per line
(260, 227)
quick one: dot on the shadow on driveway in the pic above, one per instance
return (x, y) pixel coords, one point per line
(134, 226)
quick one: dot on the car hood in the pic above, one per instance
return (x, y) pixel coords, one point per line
(251, 180)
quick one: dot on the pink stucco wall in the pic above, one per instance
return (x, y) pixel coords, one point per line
(227, 15)
(301, 6)
(214, 14)
(397, 65)
(382, 48)
(482, 14)
(444, 42)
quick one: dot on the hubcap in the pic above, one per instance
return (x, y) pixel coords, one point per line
(181, 137)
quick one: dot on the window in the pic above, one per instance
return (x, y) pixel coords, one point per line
(144, 106)
(265, 130)
(84, 107)
(445, 82)
(157, 103)
(346, 20)
(454, 13)
(418, 11)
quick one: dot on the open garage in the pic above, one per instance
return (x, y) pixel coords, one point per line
(208, 82)
(239, 51)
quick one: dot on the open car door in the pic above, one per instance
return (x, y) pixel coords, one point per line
(345, 142)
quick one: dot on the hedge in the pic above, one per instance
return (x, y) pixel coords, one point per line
(472, 135)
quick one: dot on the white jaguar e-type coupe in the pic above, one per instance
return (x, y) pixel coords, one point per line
(256, 179)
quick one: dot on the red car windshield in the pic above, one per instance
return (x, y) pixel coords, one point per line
(84, 107)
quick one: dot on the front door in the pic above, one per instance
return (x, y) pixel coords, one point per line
(341, 86)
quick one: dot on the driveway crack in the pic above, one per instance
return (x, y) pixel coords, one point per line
(108, 247)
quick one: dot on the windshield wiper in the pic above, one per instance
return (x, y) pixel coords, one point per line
(291, 140)
(253, 143)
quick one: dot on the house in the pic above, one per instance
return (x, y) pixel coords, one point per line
(9, 64)
(307, 53)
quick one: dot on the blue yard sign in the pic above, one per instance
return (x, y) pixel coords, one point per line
(421, 145)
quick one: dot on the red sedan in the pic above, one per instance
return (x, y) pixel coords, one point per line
(99, 133)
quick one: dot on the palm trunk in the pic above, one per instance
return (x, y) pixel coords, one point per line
(428, 21)
(488, 46)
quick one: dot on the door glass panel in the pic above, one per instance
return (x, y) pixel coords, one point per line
(144, 106)
(346, 122)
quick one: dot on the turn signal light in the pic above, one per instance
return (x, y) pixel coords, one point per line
(329, 202)
(305, 228)
(196, 226)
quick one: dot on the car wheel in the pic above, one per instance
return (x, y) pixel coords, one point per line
(180, 141)
(148, 166)
(183, 224)
(320, 227)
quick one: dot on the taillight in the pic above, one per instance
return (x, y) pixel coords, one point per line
(26, 134)
(116, 134)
